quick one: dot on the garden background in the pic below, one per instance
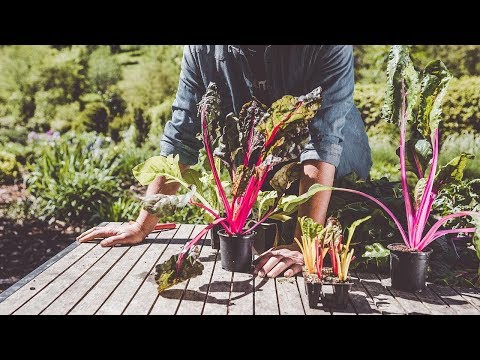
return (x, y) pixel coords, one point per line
(74, 121)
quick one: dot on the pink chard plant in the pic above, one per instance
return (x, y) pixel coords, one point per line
(248, 147)
(413, 101)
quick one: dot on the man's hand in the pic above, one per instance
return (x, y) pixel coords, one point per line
(275, 261)
(127, 234)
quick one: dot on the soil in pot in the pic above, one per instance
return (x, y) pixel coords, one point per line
(408, 267)
(215, 239)
(266, 238)
(236, 251)
(313, 289)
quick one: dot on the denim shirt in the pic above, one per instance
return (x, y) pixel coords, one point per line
(337, 132)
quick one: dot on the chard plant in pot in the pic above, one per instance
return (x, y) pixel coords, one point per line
(413, 101)
(341, 255)
(314, 246)
(247, 147)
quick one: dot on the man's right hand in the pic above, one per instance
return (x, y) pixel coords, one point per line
(127, 234)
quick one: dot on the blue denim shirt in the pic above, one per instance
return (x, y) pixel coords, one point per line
(337, 132)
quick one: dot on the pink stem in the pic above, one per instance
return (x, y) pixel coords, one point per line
(259, 222)
(382, 205)
(208, 150)
(406, 195)
(431, 233)
(425, 207)
(417, 165)
(206, 208)
(196, 239)
(451, 231)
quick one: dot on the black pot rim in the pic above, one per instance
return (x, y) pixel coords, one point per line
(223, 233)
(425, 252)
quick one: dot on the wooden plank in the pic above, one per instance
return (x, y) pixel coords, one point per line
(361, 301)
(38, 303)
(289, 300)
(472, 295)
(434, 303)
(66, 301)
(322, 308)
(33, 283)
(382, 298)
(409, 301)
(218, 296)
(121, 296)
(196, 291)
(167, 302)
(241, 298)
(146, 295)
(102, 290)
(266, 302)
(454, 300)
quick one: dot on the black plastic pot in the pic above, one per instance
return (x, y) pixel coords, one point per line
(313, 289)
(215, 239)
(408, 269)
(340, 294)
(236, 251)
(265, 239)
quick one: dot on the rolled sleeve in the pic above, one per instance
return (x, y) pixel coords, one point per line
(179, 136)
(333, 71)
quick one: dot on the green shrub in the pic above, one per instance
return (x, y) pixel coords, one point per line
(74, 178)
(103, 69)
(8, 167)
(21, 152)
(93, 118)
(461, 107)
(124, 209)
(65, 116)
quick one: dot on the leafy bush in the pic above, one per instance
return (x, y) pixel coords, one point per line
(103, 69)
(74, 179)
(461, 110)
(124, 209)
(8, 167)
(93, 118)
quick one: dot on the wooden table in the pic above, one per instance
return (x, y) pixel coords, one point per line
(90, 279)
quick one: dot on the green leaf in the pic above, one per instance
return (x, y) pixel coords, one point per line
(240, 180)
(452, 172)
(418, 191)
(165, 205)
(280, 217)
(400, 67)
(376, 250)
(419, 152)
(433, 87)
(166, 273)
(265, 200)
(289, 204)
(285, 177)
(310, 228)
(351, 229)
(156, 166)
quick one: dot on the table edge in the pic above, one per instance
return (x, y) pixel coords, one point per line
(9, 291)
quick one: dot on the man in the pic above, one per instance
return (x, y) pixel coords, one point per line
(338, 144)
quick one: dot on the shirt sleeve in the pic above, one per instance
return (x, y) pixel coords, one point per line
(332, 69)
(179, 136)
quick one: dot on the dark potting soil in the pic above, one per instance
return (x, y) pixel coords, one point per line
(402, 248)
(311, 278)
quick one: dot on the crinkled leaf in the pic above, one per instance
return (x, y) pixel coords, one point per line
(419, 152)
(156, 166)
(240, 180)
(285, 177)
(418, 192)
(165, 205)
(452, 172)
(229, 143)
(166, 273)
(310, 228)
(376, 250)
(400, 67)
(280, 217)
(249, 137)
(433, 87)
(210, 104)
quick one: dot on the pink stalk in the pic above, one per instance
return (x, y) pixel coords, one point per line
(431, 233)
(208, 150)
(406, 195)
(196, 239)
(417, 164)
(451, 231)
(383, 206)
(206, 208)
(246, 158)
(277, 127)
(260, 221)
(425, 207)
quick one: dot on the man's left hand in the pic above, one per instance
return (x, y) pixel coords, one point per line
(274, 262)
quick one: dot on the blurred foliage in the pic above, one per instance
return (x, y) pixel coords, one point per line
(8, 167)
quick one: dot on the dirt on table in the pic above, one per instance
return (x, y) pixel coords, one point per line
(25, 245)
